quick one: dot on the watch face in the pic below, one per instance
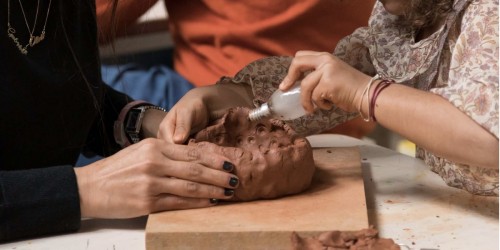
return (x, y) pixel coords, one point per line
(133, 121)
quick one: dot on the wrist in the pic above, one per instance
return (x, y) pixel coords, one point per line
(136, 119)
(367, 102)
(365, 107)
(119, 133)
(84, 192)
(381, 85)
(151, 123)
(128, 127)
(363, 99)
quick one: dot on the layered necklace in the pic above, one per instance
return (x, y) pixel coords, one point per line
(34, 40)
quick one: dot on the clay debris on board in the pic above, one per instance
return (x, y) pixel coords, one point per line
(364, 239)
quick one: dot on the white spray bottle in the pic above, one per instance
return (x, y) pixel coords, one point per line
(281, 105)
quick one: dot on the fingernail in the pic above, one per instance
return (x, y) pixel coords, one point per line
(282, 84)
(180, 135)
(233, 181)
(228, 166)
(178, 138)
(228, 192)
(214, 201)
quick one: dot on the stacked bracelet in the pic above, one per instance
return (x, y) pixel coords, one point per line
(381, 86)
(367, 92)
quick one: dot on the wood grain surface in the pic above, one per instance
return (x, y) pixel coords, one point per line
(335, 201)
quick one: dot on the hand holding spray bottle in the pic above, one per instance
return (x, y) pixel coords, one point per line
(281, 105)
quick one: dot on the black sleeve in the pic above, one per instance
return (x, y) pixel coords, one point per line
(38, 202)
(101, 139)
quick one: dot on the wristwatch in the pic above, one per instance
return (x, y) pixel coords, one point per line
(128, 126)
(133, 122)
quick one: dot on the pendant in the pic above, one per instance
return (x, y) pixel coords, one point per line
(10, 32)
(34, 40)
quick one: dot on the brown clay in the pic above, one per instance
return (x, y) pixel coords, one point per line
(352, 240)
(270, 159)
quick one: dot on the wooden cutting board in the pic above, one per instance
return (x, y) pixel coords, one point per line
(335, 201)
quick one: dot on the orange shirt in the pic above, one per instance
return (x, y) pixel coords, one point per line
(215, 38)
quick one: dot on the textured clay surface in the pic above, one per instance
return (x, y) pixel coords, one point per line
(354, 240)
(270, 159)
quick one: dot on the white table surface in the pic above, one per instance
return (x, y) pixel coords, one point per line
(406, 202)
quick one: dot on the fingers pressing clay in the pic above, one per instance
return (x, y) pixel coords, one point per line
(269, 159)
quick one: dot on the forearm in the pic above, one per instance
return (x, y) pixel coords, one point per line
(435, 124)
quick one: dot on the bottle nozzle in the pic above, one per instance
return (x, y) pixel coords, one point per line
(259, 113)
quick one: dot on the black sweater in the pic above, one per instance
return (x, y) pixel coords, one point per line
(53, 105)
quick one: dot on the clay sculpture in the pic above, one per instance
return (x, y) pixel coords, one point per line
(270, 159)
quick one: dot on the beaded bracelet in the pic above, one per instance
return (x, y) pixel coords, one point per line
(367, 91)
(381, 86)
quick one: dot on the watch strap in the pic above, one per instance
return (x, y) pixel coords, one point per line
(133, 122)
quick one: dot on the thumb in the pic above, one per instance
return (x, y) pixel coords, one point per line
(174, 130)
(181, 131)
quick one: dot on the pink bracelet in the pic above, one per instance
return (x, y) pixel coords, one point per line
(381, 86)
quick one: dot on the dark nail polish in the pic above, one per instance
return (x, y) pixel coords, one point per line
(228, 192)
(228, 166)
(233, 181)
(214, 201)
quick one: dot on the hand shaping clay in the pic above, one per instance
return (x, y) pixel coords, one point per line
(353, 240)
(270, 159)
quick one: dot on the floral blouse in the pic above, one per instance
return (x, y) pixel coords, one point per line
(458, 62)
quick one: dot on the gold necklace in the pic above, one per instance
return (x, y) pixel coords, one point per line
(33, 39)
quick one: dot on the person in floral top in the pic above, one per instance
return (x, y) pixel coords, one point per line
(427, 70)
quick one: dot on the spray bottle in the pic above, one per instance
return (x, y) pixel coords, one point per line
(281, 105)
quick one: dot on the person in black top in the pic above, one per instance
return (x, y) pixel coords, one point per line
(53, 105)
